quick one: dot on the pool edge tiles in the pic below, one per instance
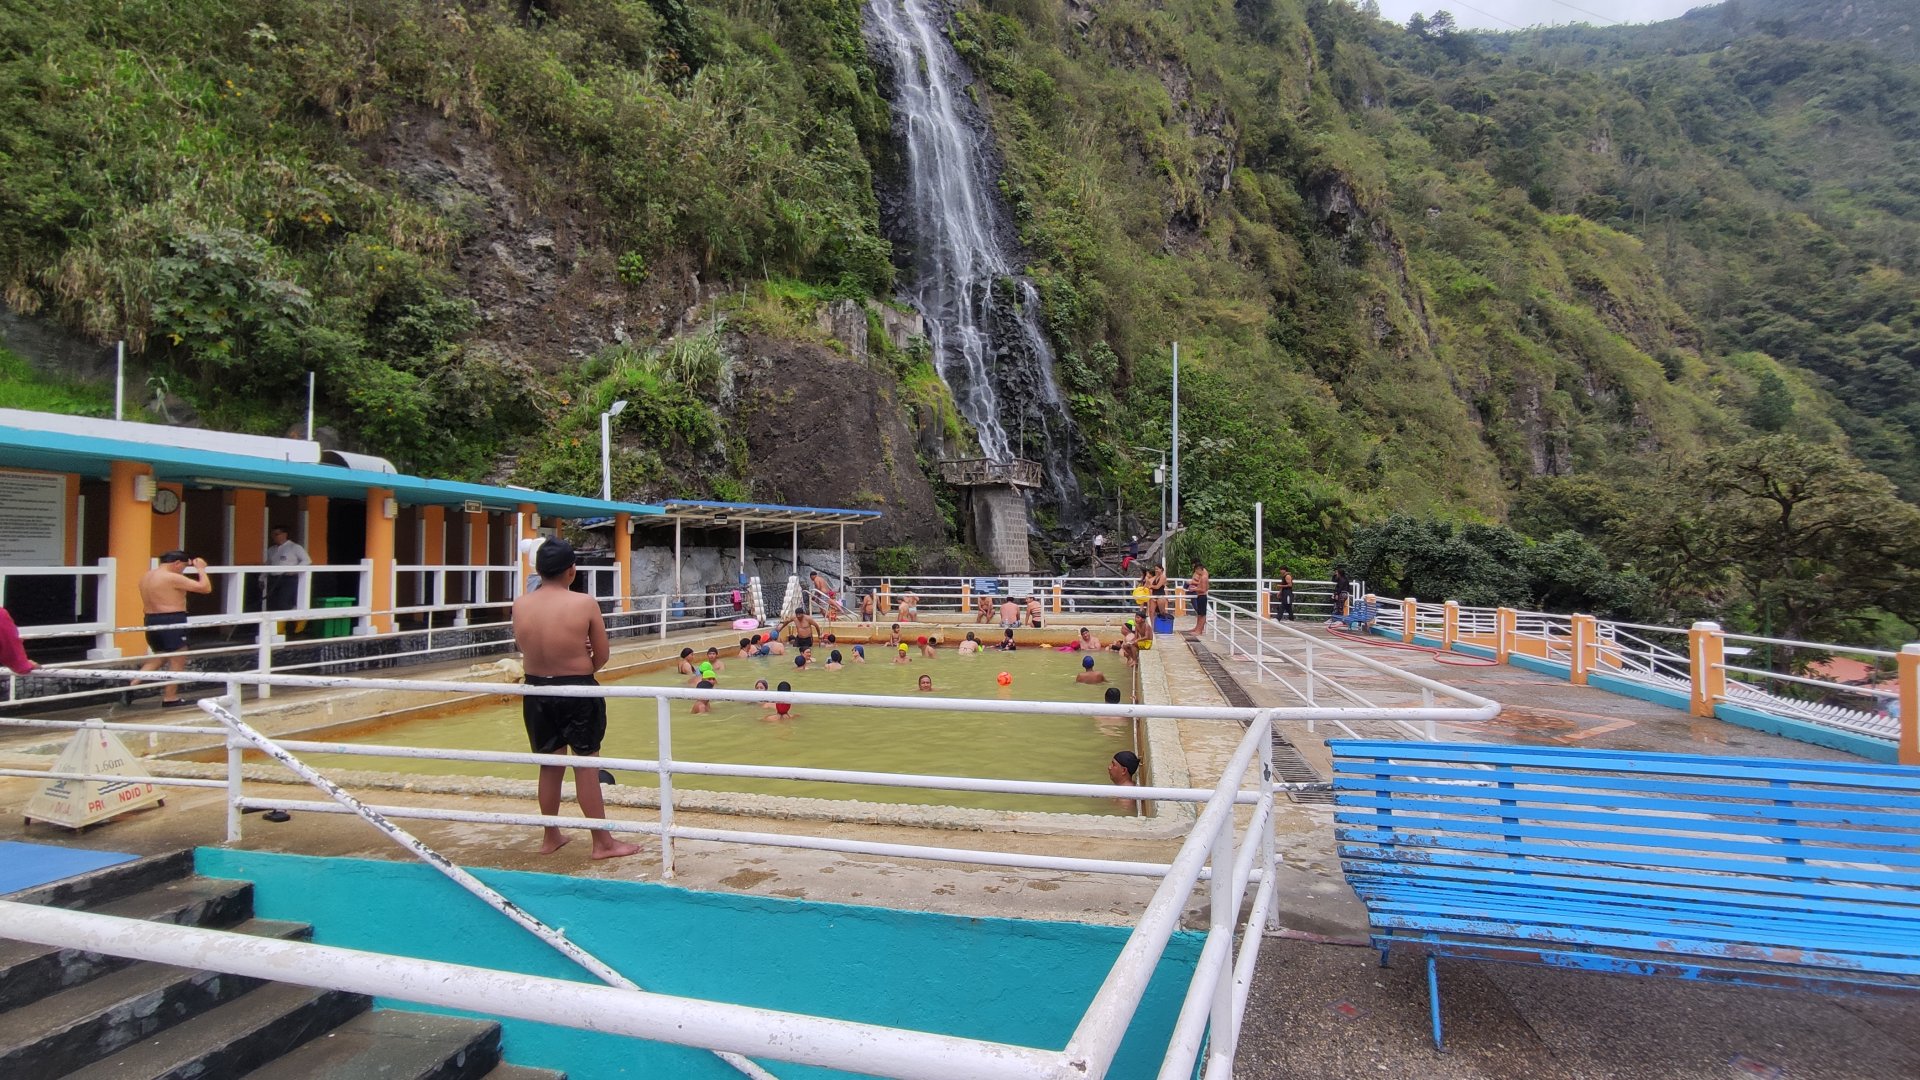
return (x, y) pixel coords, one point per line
(1027, 981)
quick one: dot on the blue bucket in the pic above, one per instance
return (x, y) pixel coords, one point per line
(1163, 624)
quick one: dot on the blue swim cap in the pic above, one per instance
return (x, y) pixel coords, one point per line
(1087, 662)
(859, 650)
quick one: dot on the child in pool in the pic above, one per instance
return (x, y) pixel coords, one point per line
(969, 646)
(833, 661)
(859, 654)
(926, 684)
(1087, 674)
(783, 708)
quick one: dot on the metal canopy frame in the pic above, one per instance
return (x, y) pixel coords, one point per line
(755, 517)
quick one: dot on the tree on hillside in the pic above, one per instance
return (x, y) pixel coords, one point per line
(1799, 533)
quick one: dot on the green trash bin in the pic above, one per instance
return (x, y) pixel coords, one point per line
(337, 627)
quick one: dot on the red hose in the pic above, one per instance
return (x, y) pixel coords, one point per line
(1440, 655)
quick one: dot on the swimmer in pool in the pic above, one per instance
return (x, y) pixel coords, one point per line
(783, 708)
(1087, 640)
(713, 657)
(902, 657)
(1124, 769)
(705, 682)
(761, 684)
(760, 648)
(926, 645)
(893, 636)
(833, 661)
(800, 662)
(686, 661)
(1087, 674)
(746, 649)
(970, 645)
(1007, 643)
(859, 654)
(926, 684)
(1111, 725)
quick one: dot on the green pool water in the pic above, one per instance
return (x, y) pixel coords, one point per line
(944, 742)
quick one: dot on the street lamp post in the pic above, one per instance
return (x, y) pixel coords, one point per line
(1160, 481)
(606, 448)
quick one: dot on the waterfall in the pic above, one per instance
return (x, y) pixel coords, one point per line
(983, 318)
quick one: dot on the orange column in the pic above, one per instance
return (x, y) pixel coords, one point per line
(527, 532)
(623, 559)
(1056, 597)
(1179, 599)
(1706, 651)
(1580, 658)
(380, 554)
(249, 527)
(1449, 624)
(1265, 606)
(886, 597)
(75, 542)
(1408, 609)
(433, 552)
(479, 553)
(966, 595)
(1910, 705)
(316, 539)
(1505, 620)
(130, 546)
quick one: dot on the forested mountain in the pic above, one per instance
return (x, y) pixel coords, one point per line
(1545, 278)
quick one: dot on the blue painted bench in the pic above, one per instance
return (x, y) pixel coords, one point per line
(1758, 871)
(1359, 616)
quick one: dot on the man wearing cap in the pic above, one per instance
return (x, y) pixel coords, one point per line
(562, 641)
(163, 596)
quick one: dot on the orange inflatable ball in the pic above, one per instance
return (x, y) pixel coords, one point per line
(1003, 679)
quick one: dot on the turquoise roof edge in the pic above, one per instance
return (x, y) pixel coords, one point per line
(89, 456)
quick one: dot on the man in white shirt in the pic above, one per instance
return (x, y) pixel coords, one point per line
(283, 590)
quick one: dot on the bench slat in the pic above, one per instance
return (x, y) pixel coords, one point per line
(1588, 871)
(1620, 801)
(1480, 925)
(1570, 757)
(1660, 823)
(1825, 980)
(1614, 836)
(1729, 891)
(1867, 936)
(1413, 848)
(1877, 800)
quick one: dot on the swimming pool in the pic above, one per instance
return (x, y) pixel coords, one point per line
(943, 742)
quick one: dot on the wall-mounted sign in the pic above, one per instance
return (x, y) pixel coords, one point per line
(33, 519)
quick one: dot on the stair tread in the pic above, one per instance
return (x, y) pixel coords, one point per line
(391, 1044)
(285, 1013)
(88, 1002)
(107, 883)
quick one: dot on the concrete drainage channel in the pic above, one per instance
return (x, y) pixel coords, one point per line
(1288, 766)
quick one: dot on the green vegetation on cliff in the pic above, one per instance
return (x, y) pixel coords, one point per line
(198, 176)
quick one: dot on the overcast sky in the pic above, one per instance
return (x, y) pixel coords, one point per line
(1508, 14)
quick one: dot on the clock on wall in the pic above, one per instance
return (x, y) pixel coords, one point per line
(165, 501)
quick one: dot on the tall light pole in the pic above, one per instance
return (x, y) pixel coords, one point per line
(1160, 481)
(1176, 436)
(606, 448)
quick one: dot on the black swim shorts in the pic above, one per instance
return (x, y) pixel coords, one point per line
(803, 642)
(579, 724)
(1200, 604)
(173, 637)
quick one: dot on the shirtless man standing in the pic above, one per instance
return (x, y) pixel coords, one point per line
(563, 640)
(163, 596)
(801, 629)
(1198, 583)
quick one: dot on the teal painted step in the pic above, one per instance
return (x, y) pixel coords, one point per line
(1026, 982)
(1805, 731)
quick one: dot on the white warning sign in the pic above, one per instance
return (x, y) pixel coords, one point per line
(78, 803)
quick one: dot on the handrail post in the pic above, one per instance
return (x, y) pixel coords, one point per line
(103, 646)
(1260, 648)
(663, 616)
(1409, 617)
(1180, 600)
(886, 596)
(1224, 906)
(1056, 597)
(1505, 621)
(966, 595)
(1268, 858)
(1449, 624)
(263, 654)
(236, 748)
(1266, 605)
(1706, 653)
(1580, 656)
(665, 759)
(1909, 668)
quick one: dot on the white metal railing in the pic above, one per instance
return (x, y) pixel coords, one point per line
(1779, 692)
(1284, 653)
(946, 596)
(1213, 851)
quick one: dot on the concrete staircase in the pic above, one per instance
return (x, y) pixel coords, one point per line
(67, 1013)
